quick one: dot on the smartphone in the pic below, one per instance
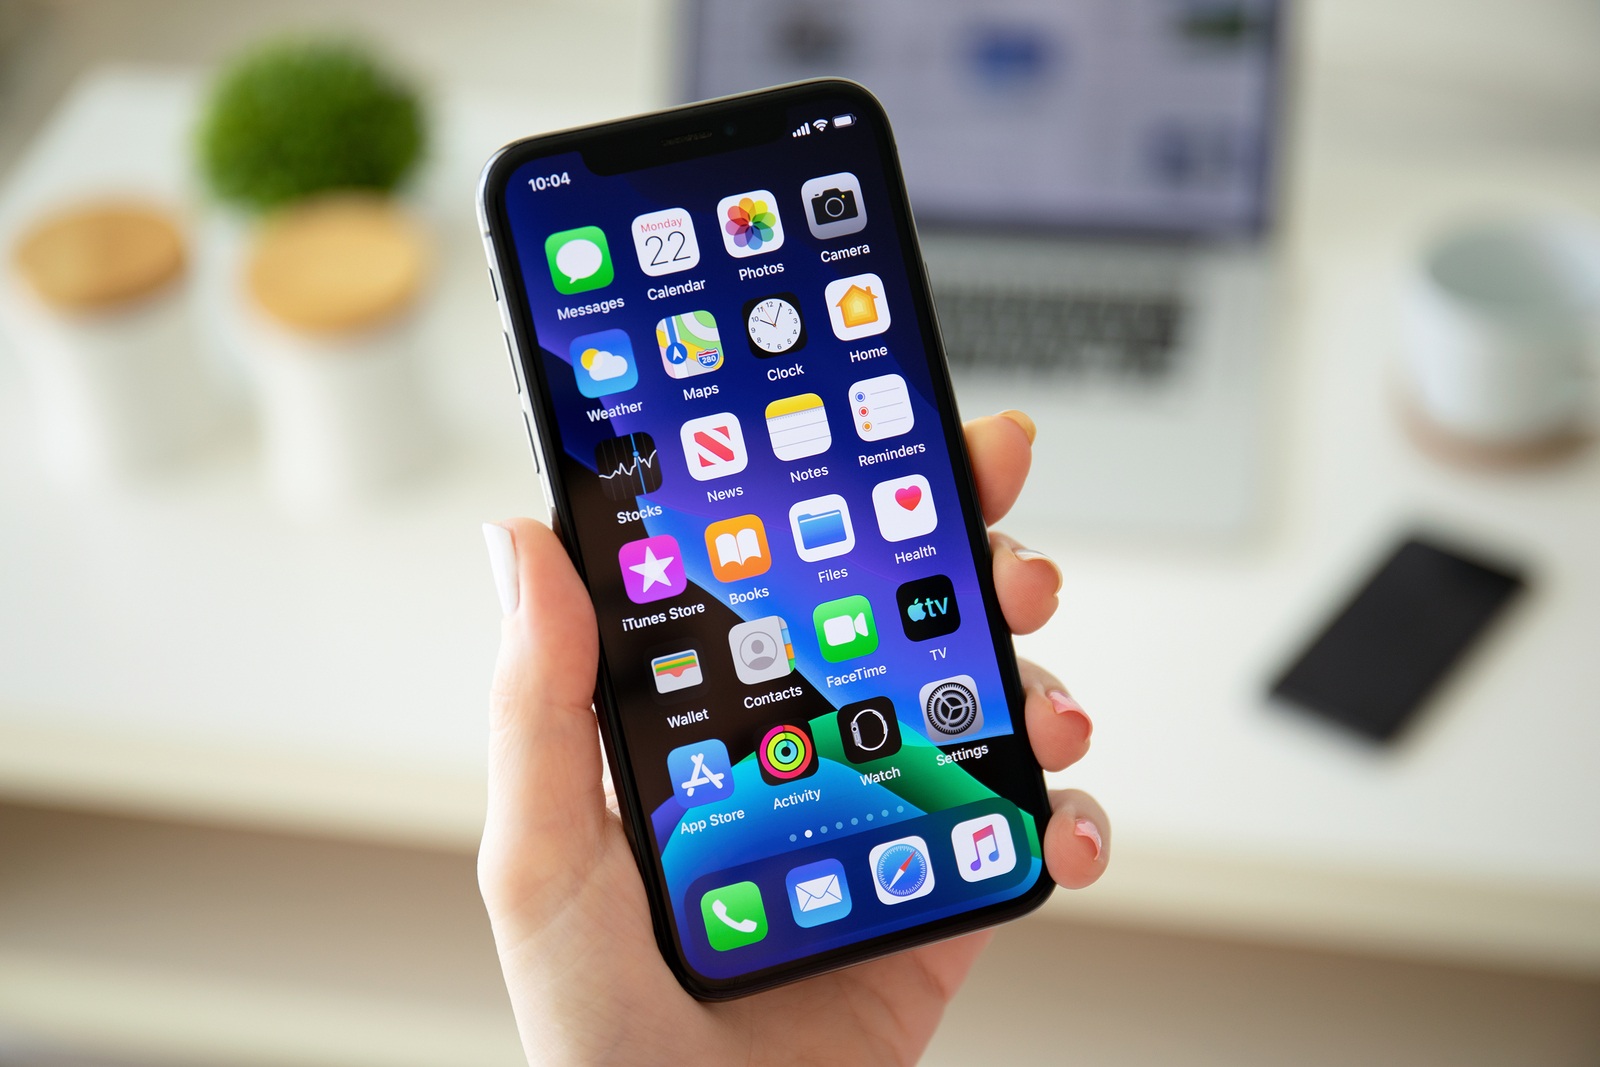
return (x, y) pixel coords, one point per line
(1378, 659)
(739, 406)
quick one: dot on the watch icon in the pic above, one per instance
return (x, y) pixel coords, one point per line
(869, 730)
(774, 325)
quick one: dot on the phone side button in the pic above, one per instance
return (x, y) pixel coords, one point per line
(511, 351)
(533, 443)
(494, 286)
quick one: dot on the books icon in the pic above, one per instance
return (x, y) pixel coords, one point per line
(798, 426)
(738, 548)
(677, 670)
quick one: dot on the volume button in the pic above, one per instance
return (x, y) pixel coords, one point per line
(494, 285)
(511, 351)
(533, 442)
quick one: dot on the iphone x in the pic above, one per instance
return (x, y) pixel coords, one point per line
(740, 410)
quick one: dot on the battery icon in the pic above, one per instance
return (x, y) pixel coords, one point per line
(840, 121)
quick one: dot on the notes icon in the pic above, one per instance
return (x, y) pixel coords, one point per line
(983, 848)
(798, 426)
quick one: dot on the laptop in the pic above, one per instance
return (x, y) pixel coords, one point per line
(1093, 185)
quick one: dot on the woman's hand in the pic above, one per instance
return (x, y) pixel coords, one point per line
(570, 915)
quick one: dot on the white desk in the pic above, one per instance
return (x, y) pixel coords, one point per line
(184, 649)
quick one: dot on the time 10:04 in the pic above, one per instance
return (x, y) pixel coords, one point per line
(549, 181)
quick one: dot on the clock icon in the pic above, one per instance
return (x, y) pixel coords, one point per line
(775, 325)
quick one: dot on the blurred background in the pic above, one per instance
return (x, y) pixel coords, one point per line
(1284, 284)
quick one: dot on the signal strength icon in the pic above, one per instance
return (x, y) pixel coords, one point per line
(803, 130)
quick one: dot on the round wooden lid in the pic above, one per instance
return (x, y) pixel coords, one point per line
(100, 255)
(338, 262)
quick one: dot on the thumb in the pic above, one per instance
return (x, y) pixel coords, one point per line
(546, 805)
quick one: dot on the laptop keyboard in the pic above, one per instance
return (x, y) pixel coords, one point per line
(1133, 338)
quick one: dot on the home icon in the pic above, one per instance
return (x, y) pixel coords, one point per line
(858, 306)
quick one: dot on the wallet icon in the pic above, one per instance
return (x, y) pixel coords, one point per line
(818, 893)
(822, 528)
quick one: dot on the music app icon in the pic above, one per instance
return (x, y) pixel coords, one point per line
(983, 848)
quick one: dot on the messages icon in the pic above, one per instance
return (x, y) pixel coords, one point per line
(579, 260)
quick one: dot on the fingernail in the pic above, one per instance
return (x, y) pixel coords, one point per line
(1028, 555)
(1065, 705)
(1021, 419)
(1086, 829)
(503, 561)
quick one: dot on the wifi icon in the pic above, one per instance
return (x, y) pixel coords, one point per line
(819, 124)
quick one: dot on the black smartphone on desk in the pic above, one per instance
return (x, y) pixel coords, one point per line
(740, 410)
(1375, 663)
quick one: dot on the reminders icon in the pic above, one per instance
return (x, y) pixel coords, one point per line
(821, 528)
(679, 670)
(798, 426)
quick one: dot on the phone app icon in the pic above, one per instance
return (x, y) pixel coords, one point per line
(738, 548)
(677, 670)
(701, 773)
(822, 528)
(845, 628)
(905, 508)
(734, 916)
(928, 608)
(750, 223)
(869, 730)
(834, 206)
(628, 466)
(579, 260)
(818, 893)
(983, 848)
(603, 363)
(652, 568)
(950, 708)
(881, 407)
(774, 325)
(713, 446)
(761, 649)
(786, 754)
(901, 870)
(665, 242)
(857, 307)
(689, 343)
(798, 427)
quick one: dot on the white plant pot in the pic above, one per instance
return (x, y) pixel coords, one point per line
(117, 394)
(342, 418)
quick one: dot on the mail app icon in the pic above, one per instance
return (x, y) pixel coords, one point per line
(818, 893)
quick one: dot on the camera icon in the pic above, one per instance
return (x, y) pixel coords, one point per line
(834, 203)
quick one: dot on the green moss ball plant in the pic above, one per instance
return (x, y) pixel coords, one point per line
(298, 117)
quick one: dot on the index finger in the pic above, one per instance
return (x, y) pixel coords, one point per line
(1001, 447)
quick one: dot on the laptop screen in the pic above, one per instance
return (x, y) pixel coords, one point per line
(1142, 115)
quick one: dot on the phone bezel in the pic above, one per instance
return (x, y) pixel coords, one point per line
(706, 128)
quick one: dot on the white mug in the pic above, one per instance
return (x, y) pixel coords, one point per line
(1501, 324)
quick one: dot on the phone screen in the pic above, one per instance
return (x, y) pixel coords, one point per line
(755, 459)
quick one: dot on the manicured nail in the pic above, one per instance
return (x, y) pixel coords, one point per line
(1022, 420)
(503, 561)
(1065, 705)
(1028, 555)
(1086, 829)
